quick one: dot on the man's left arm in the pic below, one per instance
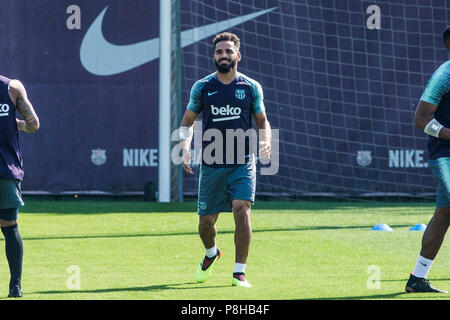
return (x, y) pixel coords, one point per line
(30, 122)
(260, 117)
(437, 87)
(265, 134)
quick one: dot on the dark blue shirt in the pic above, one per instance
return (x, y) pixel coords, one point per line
(437, 93)
(10, 155)
(227, 109)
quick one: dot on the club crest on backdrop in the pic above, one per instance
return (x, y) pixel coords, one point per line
(98, 156)
(364, 158)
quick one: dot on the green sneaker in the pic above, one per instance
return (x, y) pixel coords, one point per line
(205, 268)
(240, 281)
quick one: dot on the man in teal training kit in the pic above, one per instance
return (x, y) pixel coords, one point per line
(433, 117)
(13, 97)
(228, 100)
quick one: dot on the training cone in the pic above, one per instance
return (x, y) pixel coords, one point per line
(418, 227)
(381, 227)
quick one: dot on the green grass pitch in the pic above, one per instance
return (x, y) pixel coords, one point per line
(143, 250)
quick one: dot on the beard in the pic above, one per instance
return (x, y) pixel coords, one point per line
(222, 68)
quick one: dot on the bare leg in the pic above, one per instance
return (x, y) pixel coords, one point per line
(207, 230)
(243, 231)
(431, 243)
(435, 233)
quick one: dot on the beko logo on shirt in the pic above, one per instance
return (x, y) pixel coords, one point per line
(231, 112)
(4, 110)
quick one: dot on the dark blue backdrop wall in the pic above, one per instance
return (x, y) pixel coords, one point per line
(341, 89)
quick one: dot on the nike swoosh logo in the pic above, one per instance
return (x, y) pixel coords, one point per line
(102, 58)
(211, 93)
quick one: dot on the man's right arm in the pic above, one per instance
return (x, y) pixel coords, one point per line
(18, 94)
(437, 87)
(187, 124)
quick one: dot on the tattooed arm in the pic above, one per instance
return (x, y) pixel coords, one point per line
(18, 94)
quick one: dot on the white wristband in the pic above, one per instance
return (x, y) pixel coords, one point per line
(186, 133)
(432, 128)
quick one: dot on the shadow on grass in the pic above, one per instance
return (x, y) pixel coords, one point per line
(195, 233)
(86, 206)
(194, 286)
(161, 287)
(393, 295)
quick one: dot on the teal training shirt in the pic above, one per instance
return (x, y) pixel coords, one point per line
(437, 93)
(226, 106)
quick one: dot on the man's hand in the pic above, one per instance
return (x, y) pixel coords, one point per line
(186, 161)
(265, 150)
(21, 125)
(187, 122)
(265, 135)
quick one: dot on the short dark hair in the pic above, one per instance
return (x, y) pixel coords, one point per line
(446, 34)
(227, 36)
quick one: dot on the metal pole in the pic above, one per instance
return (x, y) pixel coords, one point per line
(164, 162)
(178, 93)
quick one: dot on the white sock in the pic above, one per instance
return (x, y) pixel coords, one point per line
(239, 267)
(422, 268)
(211, 252)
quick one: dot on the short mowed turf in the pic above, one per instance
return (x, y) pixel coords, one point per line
(91, 249)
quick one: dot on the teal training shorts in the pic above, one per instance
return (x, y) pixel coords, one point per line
(9, 214)
(441, 170)
(218, 187)
(10, 194)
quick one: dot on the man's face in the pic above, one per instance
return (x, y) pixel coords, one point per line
(226, 56)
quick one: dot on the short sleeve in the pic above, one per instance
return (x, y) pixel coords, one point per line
(438, 85)
(195, 100)
(258, 98)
